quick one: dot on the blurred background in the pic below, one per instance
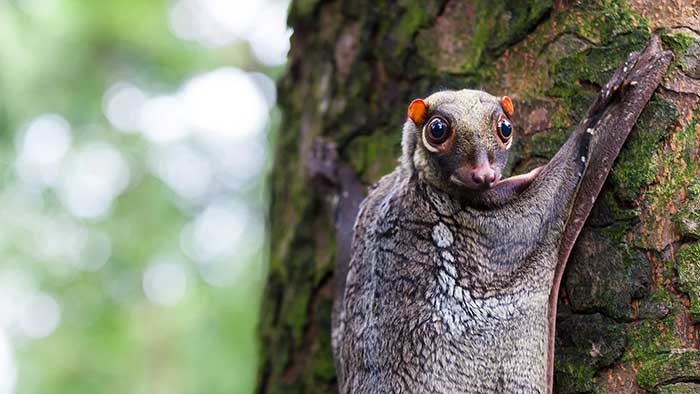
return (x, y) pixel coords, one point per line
(135, 146)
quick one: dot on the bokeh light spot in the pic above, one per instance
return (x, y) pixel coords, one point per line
(41, 316)
(46, 139)
(164, 283)
(8, 370)
(43, 144)
(185, 170)
(123, 105)
(225, 102)
(216, 231)
(162, 119)
(94, 177)
(270, 40)
(96, 251)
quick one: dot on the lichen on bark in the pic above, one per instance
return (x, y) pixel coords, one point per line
(630, 298)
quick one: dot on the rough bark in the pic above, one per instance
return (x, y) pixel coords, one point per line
(629, 313)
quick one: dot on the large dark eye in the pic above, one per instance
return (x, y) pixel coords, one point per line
(438, 131)
(505, 130)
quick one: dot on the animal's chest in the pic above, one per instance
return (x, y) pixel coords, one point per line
(441, 315)
(488, 267)
(440, 280)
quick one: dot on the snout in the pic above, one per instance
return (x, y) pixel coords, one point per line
(480, 176)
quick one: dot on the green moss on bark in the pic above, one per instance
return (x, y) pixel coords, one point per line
(677, 169)
(682, 43)
(515, 48)
(589, 343)
(656, 306)
(375, 155)
(688, 266)
(649, 338)
(683, 365)
(680, 388)
(465, 32)
(688, 216)
(637, 164)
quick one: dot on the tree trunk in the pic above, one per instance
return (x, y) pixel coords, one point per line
(630, 301)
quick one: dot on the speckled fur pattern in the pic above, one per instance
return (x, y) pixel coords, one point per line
(435, 286)
(447, 290)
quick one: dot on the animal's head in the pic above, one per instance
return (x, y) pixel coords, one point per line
(458, 141)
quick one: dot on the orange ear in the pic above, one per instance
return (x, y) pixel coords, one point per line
(507, 105)
(416, 111)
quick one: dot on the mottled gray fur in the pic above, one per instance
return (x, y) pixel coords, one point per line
(447, 289)
(444, 297)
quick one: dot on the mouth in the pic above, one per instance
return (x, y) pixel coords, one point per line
(476, 179)
(516, 183)
(519, 183)
(470, 184)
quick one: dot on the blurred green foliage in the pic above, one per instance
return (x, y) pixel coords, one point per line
(60, 56)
